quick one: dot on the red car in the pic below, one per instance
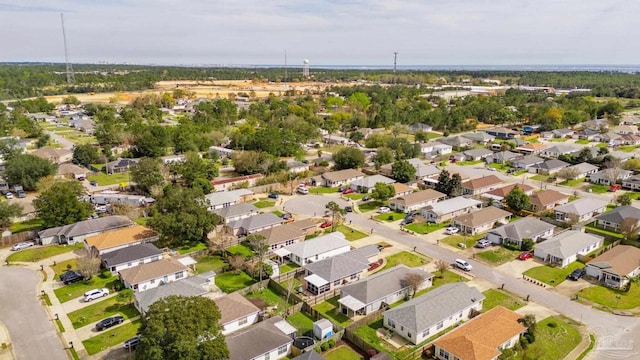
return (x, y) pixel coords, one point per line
(326, 224)
(525, 255)
(615, 188)
(348, 191)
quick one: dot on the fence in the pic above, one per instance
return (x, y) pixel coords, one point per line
(16, 238)
(314, 300)
(251, 288)
(289, 275)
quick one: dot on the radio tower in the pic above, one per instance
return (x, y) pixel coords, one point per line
(70, 77)
(395, 58)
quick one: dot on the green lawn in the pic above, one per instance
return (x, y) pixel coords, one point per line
(598, 189)
(582, 141)
(468, 163)
(355, 196)
(302, 322)
(539, 177)
(635, 195)
(425, 227)
(368, 333)
(75, 290)
(552, 275)
(33, 224)
(230, 282)
(342, 353)
(406, 258)
(596, 230)
(264, 204)
(331, 311)
(370, 205)
(41, 252)
(468, 240)
(142, 221)
(552, 342)
(572, 183)
(211, 263)
(61, 267)
(189, 249)
(611, 298)
(627, 148)
(240, 249)
(602, 145)
(323, 190)
(100, 310)
(391, 216)
(277, 213)
(557, 139)
(495, 297)
(519, 172)
(500, 167)
(267, 295)
(288, 267)
(110, 338)
(113, 179)
(351, 234)
(498, 255)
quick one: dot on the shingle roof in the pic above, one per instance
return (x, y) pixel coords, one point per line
(236, 210)
(256, 222)
(342, 175)
(562, 149)
(546, 197)
(479, 136)
(152, 270)
(401, 188)
(319, 245)
(480, 338)
(490, 214)
(621, 259)
(225, 197)
(584, 168)
(478, 152)
(278, 234)
(304, 224)
(342, 265)
(87, 227)
(505, 190)
(309, 355)
(48, 153)
(568, 243)
(129, 254)
(381, 284)
(582, 206)
(451, 205)
(371, 181)
(436, 305)
(552, 164)
(70, 169)
(619, 214)
(191, 286)
(122, 236)
(518, 230)
(234, 306)
(529, 160)
(609, 173)
(482, 182)
(420, 196)
(256, 340)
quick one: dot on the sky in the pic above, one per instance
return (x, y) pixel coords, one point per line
(327, 32)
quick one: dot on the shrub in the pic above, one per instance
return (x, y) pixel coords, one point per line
(511, 246)
(527, 244)
(317, 349)
(506, 354)
(324, 163)
(552, 324)
(390, 217)
(531, 338)
(331, 343)
(324, 346)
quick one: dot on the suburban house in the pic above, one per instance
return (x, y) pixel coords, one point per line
(547, 200)
(531, 149)
(477, 154)
(632, 183)
(236, 212)
(525, 162)
(336, 271)
(74, 233)
(433, 148)
(630, 139)
(450, 208)
(337, 178)
(153, 274)
(481, 185)
(198, 285)
(387, 287)
(479, 137)
(281, 236)
(222, 184)
(121, 165)
(587, 134)
(270, 339)
(625, 129)
(456, 142)
(308, 226)
(483, 337)
(615, 267)
(422, 170)
(583, 170)
(426, 315)
(119, 239)
(502, 133)
(316, 249)
(614, 219)
(609, 176)
(500, 193)
(366, 185)
(253, 224)
(71, 171)
(221, 151)
(562, 133)
(420, 127)
(221, 199)
(481, 220)
(559, 149)
(525, 228)
(548, 167)
(580, 210)
(401, 190)
(503, 157)
(56, 156)
(564, 248)
(416, 201)
(130, 256)
(297, 167)
(236, 312)
(115, 197)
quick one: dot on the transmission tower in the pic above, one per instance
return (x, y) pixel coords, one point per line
(395, 58)
(70, 77)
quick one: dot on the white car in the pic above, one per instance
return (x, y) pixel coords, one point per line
(383, 210)
(22, 245)
(461, 264)
(95, 294)
(100, 208)
(451, 230)
(9, 195)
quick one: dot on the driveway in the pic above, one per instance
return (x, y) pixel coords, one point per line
(32, 332)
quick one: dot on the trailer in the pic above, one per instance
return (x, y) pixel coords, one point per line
(115, 197)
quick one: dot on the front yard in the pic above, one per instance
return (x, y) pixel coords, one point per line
(598, 189)
(467, 240)
(38, 253)
(425, 227)
(500, 167)
(406, 258)
(76, 290)
(495, 297)
(555, 338)
(615, 299)
(100, 310)
(498, 255)
(323, 190)
(103, 179)
(111, 338)
(351, 234)
(229, 282)
(369, 206)
(391, 216)
(264, 203)
(572, 183)
(552, 275)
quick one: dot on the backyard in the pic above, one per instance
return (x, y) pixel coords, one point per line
(104, 179)
(368, 333)
(211, 263)
(41, 252)
(555, 338)
(112, 337)
(342, 353)
(33, 224)
(100, 310)
(229, 282)
(467, 240)
(611, 298)
(302, 322)
(552, 275)
(329, 309)
(268, 295)
(240, 249)
(187, 249)
(406, 258)
(76, 290)
(351, 234)
(495, 297)
(425, 227)
(498, 255)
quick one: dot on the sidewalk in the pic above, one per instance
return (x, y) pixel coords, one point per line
(6, 354)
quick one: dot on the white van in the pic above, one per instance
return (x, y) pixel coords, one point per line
(303, 190)
(463, 265)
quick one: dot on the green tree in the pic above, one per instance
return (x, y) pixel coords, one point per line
(337, 213)
(8, 211)
(383, 156)
(527, 244)
(260, 247)
(625, 200)
(151, 142)
(147, 174)
(348, 158)
(85, 154)
(182, 328)
(383, 192)
(70, 100)
(126, 296)
(517, 200)
(455, 186)
(402, 171)
(194, 167)
(421, 136)
(59, 204)
(443, 182)
(27, 169)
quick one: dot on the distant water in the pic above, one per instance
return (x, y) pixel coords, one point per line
(594, 68)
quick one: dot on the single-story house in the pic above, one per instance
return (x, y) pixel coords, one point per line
(630, 139)
(422, 170)
(416, 200)
(334, 272)
(236, 312)
(297, 167)
(56, 156)
(615, 267)
(587, 134)
(477, 154)
(564, 248)
(479, 137)
(197, 285)
(562, 133)
(312, 355)
(308, 226)
(77, 232)
(335, 139)
(580, 210)
(632, 183)
(222, 151)
(450, 208)
(483, 337)
(130, 256)
(612, 220)
(609, 176)
(456, 142)
(630, 120)
(401, 190)
(525, 228)
(337, 178)
(222, 184)
(281, 236)
(172, 159)
(121, 165)
(236, 212)
(433, 148)
(549, 167)
(531, 149)
(153, 274)
(426, 315)
(221, 199)
(583, 170)
(503, 157)
(502, 133)
(71, 171)
(270, 339)
(119, 239)
(366, 185)
(481, 185)
(559, 149)
(526, 162)
(595, 124)
(115, 197)
(316, 249)
(625, 129)
(388, 287)
(420, 127)
(481, 220)
(253, 224)
(547, 200)
(500, 193)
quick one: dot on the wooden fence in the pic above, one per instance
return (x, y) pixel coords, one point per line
(16, 238)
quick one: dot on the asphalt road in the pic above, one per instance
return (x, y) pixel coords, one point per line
(32, 332)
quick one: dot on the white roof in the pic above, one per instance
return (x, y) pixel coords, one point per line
(319, 245)
(316, 280)
(352, 303)
(285, 327)
(187, 260)
(282, 252)
(450, 205)
(224, 197)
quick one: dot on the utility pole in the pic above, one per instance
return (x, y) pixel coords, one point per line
(70, 76)
(285, 65)
(395, 62)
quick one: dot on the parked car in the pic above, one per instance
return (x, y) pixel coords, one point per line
(366, 198)
(132, 343)
(93, 183)
(348, 191)
(483, 243)
(21, 194)
(22, 245)
(408, 220)
(71, 277)
(615, 188)
(383, 210)
(95, 294)
(100, 208)
(490, 168)
(348, 209)
(109, 322)
(9, 195)
(525, 255)
(286, 216)
(463, 265)
(326, 224)
(303, 190)
(576, 274)
(451, 230)
(273, 196)
(341, 189)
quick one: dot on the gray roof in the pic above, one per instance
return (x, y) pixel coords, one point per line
(568, 243)
(309, 355)
(582, 206)
(479, 136)
(529, 160)
(505, 156)
(381, 284)
(257, 340)
(122, 163)
(478, 152)
(436, 305)
(561, 149)
(225, 197)
(518, 230)
(371, 181)
(87, 227)
(319, 245)
(454, 141)
(552, 164)
(451, 205)
(189, 286)
(256, 222)
(619, 214)
(236, 210)
(340, 266)
(584, 168)
(130, 254)
(606, 173)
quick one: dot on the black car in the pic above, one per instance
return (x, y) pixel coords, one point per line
(366, 198)
(348, 209)
(286, 216)
(408, 220)
(132, 343)
(109, 322)
(71, 277)
(576, 274)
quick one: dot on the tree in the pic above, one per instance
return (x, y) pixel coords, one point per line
(85, 154)
(402, 171)
(527, 244)
(517, 200)
(8, 211)
(413, 280)
(441, 267)
(624, 200)
(237, 263)
(443, 182)
(337, 213)
(568, 173)
(630, 228)
(585, 155)
(182, 216)
(383, 192)
(151, 142)
(194, 167)
(455, 186)
(529, 321)
(383, 156)
(70, 100)
(59, 204)
(27, 169)
(125, 296)
(631, 164)
(180, 328)
(88, 264)
(613, 170)
(348, 158)
(147, 174)
(260, 247)
(421, 136)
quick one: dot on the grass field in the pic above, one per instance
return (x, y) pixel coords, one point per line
(555, 338)
(323, 190)
(264, 203)
(495, 297)
(229, 282)
(342, 353)
(302, 322)
(193, 248)
(63, 266)
(468, 240)
(211, 263)
(285, 268)
(425, 227)
(469, 163)
(112, 337)
(552, 275)
(391, 216)
(627, 148)
(582, 141)
(539, 177)
(240, 249)
(113, 179)
(498, 255)
(100, 310)
(76, 290)
(33, 224)
(406, 258)
(605, 232)
(611, 298)
(351, 234)
(268, 295)
(572, 183)
(330, 310)
(500, 167)
(38, 253)
(598, 189)
(370, 205)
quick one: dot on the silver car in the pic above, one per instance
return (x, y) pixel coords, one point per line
(22, 245)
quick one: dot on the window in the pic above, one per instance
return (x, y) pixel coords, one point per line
(336, 283)
(243, 321)
(179, 275)
(153, 281)
(409, 334)
(282, 350)
(129, 264)
(391, 323)
(401, 328)
(425, 333)
(444, 354)
(439, 326)
(266, 356)
(354, 276)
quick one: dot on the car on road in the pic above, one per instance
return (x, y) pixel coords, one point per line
(483, 243)
(22, 245)
(132, 343)
(95, 294)
(348, 191)
(286, 216)
(273, 196)
(451, 230)
(491, 168)
(366, 198)
(525, 255)
(348, 209)
(326, 224)
(109, 322)
(462, 264)
(9, 195)
(383, 210)
(71, 277)
(408, 220)
(576, 274)
(615, 188)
